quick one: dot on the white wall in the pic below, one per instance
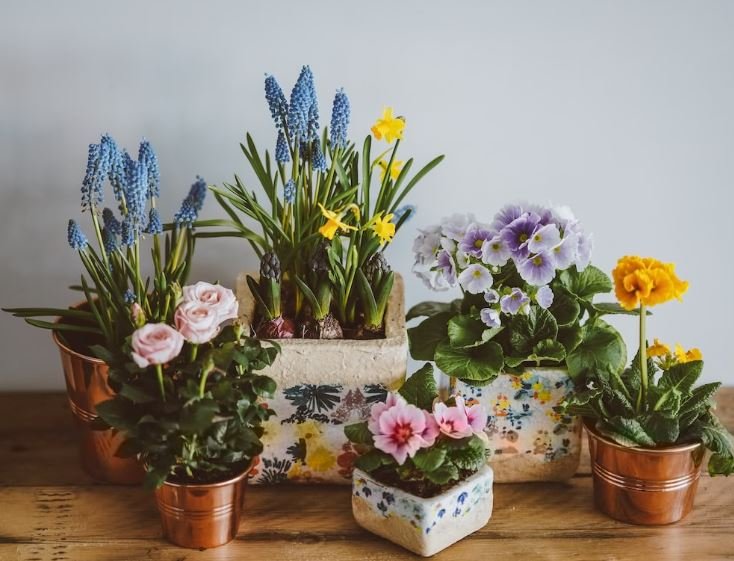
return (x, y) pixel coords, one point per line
(622, 109)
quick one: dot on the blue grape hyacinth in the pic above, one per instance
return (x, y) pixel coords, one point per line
(282, 155)
(148, 158)
(300, 104)
(289, 192)
(317, 157)
(340, 114)
(192, 204)
(155, 226)
(276, 101)
(75, 236)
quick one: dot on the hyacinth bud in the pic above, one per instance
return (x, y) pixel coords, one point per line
(319, 262)
(376, 267)
(137, 315)
(270, 266)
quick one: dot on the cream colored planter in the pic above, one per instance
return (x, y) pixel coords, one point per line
(323, 385)
(529, 441)
(423, 526)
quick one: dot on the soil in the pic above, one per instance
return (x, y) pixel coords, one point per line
(420, 488)
(209, 477)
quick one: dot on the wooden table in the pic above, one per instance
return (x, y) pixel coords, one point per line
(50, 510)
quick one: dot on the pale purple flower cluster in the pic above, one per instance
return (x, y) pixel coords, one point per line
(536, 241)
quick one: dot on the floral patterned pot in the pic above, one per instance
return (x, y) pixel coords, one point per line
(323, 385)
(529, 441)
(423, 526)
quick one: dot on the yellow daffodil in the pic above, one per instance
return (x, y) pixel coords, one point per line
(333, 223)
(383, 227)
(644, 280)
(388, 126)
(395, 169)
(658, 349)
(683, 356)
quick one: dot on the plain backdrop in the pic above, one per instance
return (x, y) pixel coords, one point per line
(623, 110)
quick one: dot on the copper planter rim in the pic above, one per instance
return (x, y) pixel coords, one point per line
(68, 349)
(224, 483)
(666, 449)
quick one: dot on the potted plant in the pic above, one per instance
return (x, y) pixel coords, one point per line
(113, 285)
(422, 480)
(648, 425)
(190, 405)
(525, 325)
(324, 289)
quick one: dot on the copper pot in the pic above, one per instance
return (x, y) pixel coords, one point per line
(648, 486)
(86, 386)
(202, 515)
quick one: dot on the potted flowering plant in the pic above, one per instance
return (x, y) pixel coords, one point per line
(422, 480)
(189, 403)
(526, 324)
(86, 332)
(648, 425)
(324, 286)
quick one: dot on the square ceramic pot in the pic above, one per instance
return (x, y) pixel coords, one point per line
(528, 440)
(423, 526)
(322, 386)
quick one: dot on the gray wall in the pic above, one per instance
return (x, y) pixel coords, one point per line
(621, 109)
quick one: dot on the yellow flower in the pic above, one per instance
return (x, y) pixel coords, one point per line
(333, 223)
(320, 458)
(683, 356)
(308, 429)
(388, 126)
(395, 169)
(644, 280)
(384, 227)
(538, 386)
(658, 349)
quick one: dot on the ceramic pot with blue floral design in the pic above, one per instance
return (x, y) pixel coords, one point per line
(528, 439)
(423, 525)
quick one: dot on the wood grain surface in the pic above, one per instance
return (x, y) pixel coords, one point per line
(50, 510)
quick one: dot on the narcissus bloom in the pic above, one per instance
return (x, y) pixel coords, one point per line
(644, 280)
(395, 169)
(333, 223)
(384, 227)
(388, 126)
(683, 356)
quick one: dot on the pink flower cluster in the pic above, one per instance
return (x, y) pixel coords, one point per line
(401, 429)
(197, 319)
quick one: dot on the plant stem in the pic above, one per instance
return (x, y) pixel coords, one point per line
(642, 395)
(204, 376)
(159, 374)
(193, 352)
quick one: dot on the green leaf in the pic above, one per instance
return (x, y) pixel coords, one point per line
(136, 394)
(197, 417)
(663, 429)
(527, 330)
(681, 376)
(624, 431)
(264, 385)
(372, 460)
(613, 308)
(602, 349)
(358, 433)
(465, 331)
(444, 474)
(478, 365)
(701, 398)
(420, 388)
(569, 337)
(565, 308)
(470, 457)
(548, 349)
(429, 459)
(118, 413)
(587, 284)
(427, 309)
(425, 337)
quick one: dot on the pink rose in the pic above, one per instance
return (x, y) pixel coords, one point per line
(214, 295)
(452, 421)
(155, 343)
(197, 322)
(476, 415)
(403, 429)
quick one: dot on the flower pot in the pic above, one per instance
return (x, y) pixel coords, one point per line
(202, 515)
(528, 440)
(323, 385)
(648, 486)
(86, 387)
(423, 525)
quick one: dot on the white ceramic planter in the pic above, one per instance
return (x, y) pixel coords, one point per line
(323, 385)
(528, 441)
(423, 526)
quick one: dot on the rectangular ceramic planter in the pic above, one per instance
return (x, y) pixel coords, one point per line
(528, 440)
(323, 385)
(423, 526)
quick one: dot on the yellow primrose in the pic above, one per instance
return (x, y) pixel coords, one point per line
(333, 223)
(683, 356)
(388, 127)
(395, 169)
(384, 227)
(658, 349)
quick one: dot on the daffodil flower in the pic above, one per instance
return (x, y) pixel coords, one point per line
(395, 169)
(383, 226)
(388, 126)
(334, 222)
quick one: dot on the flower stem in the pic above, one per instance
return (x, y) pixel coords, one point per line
(193, 352)
(204, 375)
(642, 395)
(159, 374)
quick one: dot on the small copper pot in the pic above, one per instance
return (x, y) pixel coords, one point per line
(202, 516)
(647, 486)
(86, 386)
